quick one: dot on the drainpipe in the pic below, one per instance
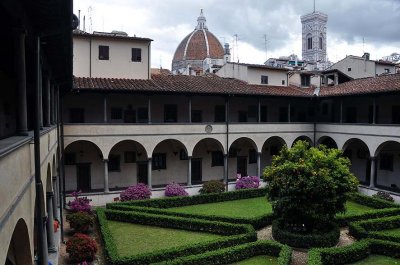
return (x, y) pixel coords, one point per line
(40, 212)
(62, 150)
(315, 103)
(90, 56)
(227, 141)
(148, 61)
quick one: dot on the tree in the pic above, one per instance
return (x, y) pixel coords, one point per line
(308, 186)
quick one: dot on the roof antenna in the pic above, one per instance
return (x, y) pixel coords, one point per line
(84, 23)
(79, 19)
(314, 6)
(363, 46)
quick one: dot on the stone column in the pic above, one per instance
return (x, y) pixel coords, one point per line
(341, 111)
(105, 108)
(259, 110)
(150, 168)
(106, 189)
(149, 110)
(41, 96)
(289, 112)
(47, 99)
(50, 221)
(52, 109)
(259, 165)
(189, 179)
(55, 197)
(20, 70)
(374, 111)
(226, 169)
(190, 109)
(372, 174)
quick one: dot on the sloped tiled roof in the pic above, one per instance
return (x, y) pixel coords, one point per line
(208, 84)
(369, 85)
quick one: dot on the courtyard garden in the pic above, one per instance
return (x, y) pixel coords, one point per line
(305, 207)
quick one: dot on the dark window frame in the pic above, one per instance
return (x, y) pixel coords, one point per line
(386, 162)
(159, 161)
(264, 79)
(70, 158)
(170, 113)
(136, 55)
(217, 159)
(104, 52)
(197, 116)
(142, 115)
(129, 157)
(116, 113)
(76, 115)
(114, 163)
(252, 156)
(309, 43)
(219, 113)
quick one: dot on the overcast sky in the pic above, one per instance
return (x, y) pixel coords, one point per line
(167, 22)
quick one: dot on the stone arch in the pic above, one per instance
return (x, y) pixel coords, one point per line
(387, 169)
(84, 166)
(129, 159)
(207, 161)
(54, 166)
(169, 163)
(19, 249)
(303, 138)
(242, 158)
(359, 154)
(271, 147)
(49, 186)
(327, 141)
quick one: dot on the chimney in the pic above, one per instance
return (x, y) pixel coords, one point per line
(227, 53)
(366, 55)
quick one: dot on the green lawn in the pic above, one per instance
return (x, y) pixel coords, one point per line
(355, 208)
(132, 239)
(237, 208)
(259, 260)
(390, 232)
(378, 260)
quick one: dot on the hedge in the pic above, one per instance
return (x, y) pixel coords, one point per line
(353, 253)
(236, 234)
(237, 253)
(370, 228)
(383, 208)
(328, 239)
(196, 199)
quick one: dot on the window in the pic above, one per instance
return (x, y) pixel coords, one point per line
(70, 158)
(76, 115)
(114, 163)
(351, 115)
(387, 70)
(309, 42)
(283, 114)
(130, 157)
(159, 161)
(183, 155)
(104, 52)
(324, 108)
(386, 162)
(217, 159)
(252, 111)
(242, 116)
(252, 156)
(170, 113)
(219, 114)
(396, 114)
(116, 113)
(349, 69)
(305, 80)
(136, 55)
(320, 43)
(197, 116)
(143, 115)
(129, 115)
(283, 82)
(264, 79)
(264, 114)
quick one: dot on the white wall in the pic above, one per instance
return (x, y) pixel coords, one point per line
(275, 77)
(360, 68)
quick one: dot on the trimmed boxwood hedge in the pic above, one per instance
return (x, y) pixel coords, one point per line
(353, 253)
(237, 253)
(383, 208)
(236, 234)
(369, 228)
(327, 239)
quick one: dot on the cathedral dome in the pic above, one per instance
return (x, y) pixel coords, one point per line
(197, 46)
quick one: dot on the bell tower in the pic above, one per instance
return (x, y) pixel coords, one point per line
(314, 36)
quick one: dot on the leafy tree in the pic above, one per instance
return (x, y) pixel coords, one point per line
(307, 186)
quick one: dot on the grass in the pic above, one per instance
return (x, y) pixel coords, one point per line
(390, 232)
(353, 208)
(237, 208)
(258, 260)
(378, 260)
(132, 239)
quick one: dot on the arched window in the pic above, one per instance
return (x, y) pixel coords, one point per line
(309, 41)
(320, 42)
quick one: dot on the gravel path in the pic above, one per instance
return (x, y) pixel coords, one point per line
(299, 256)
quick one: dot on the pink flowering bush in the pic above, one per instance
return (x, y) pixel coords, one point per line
(247, 182)
(139, 191)
(79, 204)
(174, 189)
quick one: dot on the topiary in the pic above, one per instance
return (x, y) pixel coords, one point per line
(139, 191)
(80, 221)
(174, 189)
(81, 247)
(212, 186)
(384, 196)
(247, 182)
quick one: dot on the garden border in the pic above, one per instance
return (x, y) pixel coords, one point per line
(361, 229)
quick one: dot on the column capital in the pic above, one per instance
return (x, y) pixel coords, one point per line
(373, 158)
(105, 160)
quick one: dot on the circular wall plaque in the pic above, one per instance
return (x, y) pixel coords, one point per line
(208, 128)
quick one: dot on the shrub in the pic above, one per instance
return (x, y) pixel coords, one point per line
(247, 182)
(139, 191)
(384, 196)
(80, 221)
(79, 204)
(308, 186)
(81, 247)
(212, 186)
(175, 189)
